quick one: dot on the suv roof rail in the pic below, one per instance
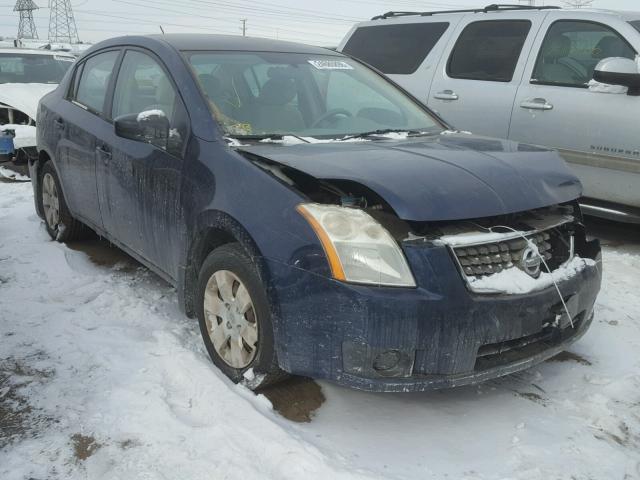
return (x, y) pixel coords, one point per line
(494, 7)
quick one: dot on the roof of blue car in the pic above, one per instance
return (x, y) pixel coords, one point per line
(203, 41)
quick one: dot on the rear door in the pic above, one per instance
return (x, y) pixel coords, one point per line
(140, 182)
(81, 120)
(405, 50)
(596, 132)
(477, 78)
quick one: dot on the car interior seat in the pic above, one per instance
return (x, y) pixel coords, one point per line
(611, 46)
(557, 65)
(273, 109)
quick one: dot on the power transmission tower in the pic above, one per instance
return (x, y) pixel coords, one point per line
(62, 24)
(244, 27)
(578, 3)
(26, 27)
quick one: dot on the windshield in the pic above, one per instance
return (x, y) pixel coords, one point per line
(272, 94)
(22, 68)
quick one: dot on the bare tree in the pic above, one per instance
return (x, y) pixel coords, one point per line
(578, 3)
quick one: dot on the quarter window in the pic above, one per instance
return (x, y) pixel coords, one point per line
(488, 50)
(395, 49)
(94, 82)
(572, 49)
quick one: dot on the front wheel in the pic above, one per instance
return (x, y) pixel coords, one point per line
(235, 318)
(59, 222)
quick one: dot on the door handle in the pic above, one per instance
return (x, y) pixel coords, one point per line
(104, 152)
(536, 104)
(446, 95)
(58, 123)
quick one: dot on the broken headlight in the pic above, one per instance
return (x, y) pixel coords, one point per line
(358, 248)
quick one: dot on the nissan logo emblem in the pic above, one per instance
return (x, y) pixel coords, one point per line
(530, 262)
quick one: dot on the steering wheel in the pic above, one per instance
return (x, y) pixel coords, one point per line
(330, 114)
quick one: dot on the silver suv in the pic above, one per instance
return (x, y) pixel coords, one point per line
(527, 74)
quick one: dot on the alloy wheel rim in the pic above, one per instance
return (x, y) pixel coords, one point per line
(231, 319)
(50, 201)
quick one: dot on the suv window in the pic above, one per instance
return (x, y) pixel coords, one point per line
(395, 49)
(488, 50)
(144, 86)
(635, 24)
(94, 82)
(572, 49)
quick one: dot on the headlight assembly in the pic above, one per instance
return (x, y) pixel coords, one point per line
(358, 248)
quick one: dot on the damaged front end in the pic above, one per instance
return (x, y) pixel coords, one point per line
(490, 295)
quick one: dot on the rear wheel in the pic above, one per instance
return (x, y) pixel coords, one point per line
(59, 222)
(235, 318)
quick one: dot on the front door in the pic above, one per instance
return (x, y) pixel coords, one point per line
(596, 132)
(140, 182)
(477, 78)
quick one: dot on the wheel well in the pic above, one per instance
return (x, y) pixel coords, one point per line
(205, 243)
(43, 157)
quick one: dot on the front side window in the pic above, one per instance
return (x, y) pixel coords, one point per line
(94, 81)
(572, 49)
(395, 49)
(265, 93)
(27, 68)
(488, 50)
(143, 88)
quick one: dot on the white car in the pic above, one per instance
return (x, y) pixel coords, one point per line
(25, 77)
(527, 74)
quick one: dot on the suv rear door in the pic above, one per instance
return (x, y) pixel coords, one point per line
(404, 50)
(476, 81)
(596, 132)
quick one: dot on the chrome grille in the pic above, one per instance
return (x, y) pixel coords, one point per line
(493, 257)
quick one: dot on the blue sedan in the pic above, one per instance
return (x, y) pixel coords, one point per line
(316, 218)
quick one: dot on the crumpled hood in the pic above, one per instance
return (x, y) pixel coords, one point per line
(447, 177)
(24, 96)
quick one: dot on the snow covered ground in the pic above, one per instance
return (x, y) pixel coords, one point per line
(102, 377)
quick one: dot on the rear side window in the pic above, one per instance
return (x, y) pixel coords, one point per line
(635, 24)
(94, 81)
(395, 49)
(488, 50)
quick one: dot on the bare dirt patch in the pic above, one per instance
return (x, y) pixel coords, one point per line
(570, 357)
(18, 419)
(296, 399)
(84, 446)
(103, 254)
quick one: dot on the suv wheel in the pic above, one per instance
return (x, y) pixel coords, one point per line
(235, 319)
(59, 222)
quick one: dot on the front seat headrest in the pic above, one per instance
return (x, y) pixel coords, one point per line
(558, 47)
(609, 46)
(278, 91)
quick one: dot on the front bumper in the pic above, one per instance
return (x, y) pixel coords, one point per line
(439, 334)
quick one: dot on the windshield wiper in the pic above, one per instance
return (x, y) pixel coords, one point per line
(273, 136)
(375, 133)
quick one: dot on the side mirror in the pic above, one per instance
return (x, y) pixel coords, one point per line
(619, 71)
(150, 126)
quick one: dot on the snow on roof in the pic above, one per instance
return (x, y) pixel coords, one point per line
(33, 51)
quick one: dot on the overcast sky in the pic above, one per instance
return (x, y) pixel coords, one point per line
(319, 22)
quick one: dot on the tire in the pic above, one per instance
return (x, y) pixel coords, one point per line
(58, 221)
(227, 279)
